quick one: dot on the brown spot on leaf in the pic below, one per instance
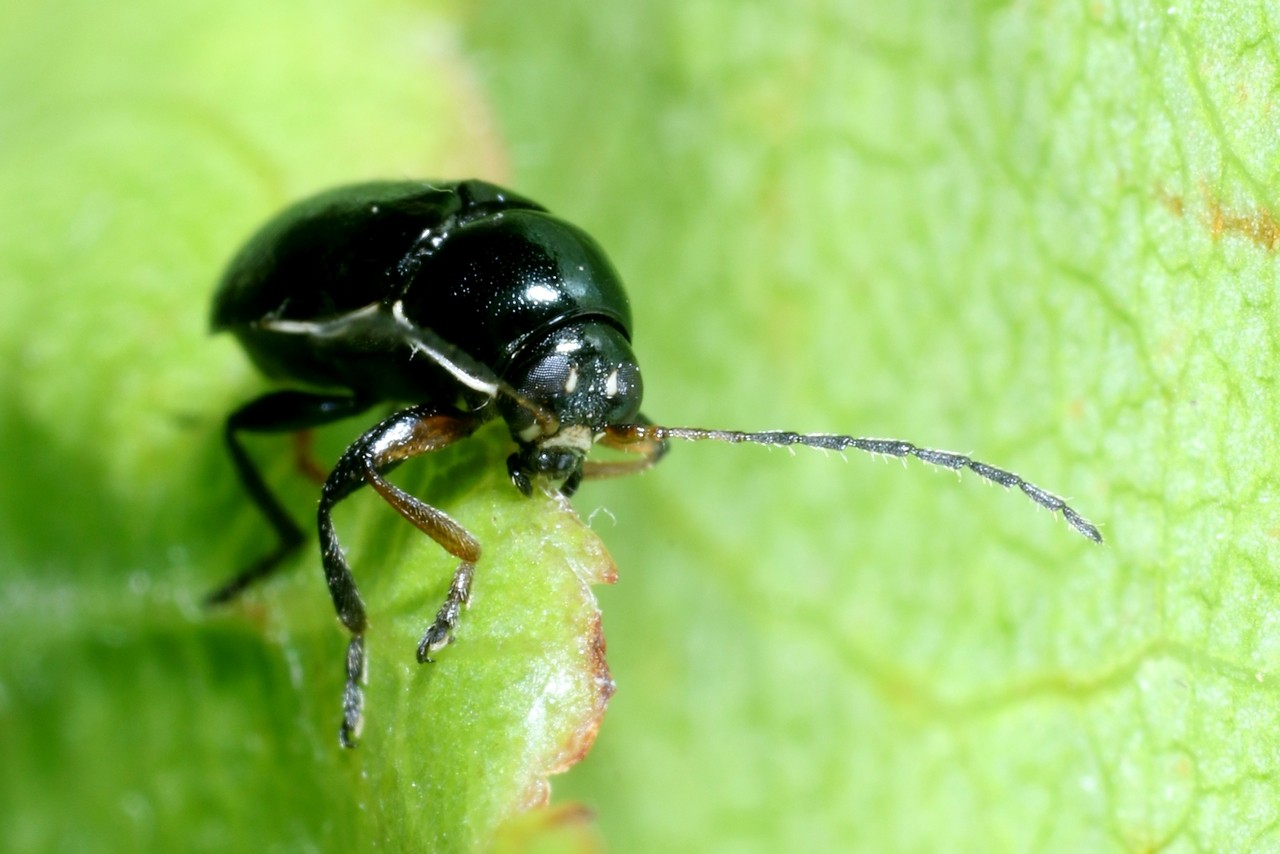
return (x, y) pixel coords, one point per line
(579, 742)
(1172, 202)
(1256, 224)
(590, 563)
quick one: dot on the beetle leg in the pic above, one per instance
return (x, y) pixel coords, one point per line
(404, 435)
(278, 412)
(304, 457)
(627, 437)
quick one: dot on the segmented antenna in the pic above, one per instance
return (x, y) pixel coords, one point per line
(888, 447)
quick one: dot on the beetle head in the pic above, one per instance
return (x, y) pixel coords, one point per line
(584, 374)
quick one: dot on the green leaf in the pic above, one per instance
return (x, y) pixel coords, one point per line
(1041, 234)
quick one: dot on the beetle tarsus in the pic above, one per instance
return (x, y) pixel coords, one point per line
(440, 634)
(353, 694)
(519, 478)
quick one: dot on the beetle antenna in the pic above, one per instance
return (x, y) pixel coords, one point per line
(625, 434)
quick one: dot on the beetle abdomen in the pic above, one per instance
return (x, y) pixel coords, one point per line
(334, 252)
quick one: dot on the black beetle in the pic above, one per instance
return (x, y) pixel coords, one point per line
(471, 302)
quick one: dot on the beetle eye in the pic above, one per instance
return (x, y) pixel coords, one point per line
(551, 377)
(543, 384)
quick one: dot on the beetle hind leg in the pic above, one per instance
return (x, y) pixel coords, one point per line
(277, 412)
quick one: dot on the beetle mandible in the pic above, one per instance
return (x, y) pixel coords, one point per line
(470, 302)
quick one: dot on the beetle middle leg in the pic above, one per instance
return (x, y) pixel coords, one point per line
(304, 457)
(406, 434)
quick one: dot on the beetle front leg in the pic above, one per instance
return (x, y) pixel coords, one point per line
(440, 634)
(625, 437)
(455, 539)
(404, 435)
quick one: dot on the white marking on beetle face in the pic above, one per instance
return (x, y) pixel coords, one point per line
(574, 436)
(572, 382)
(611, 384)
(530, 433)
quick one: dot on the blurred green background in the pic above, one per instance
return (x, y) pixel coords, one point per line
(1039, 233)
